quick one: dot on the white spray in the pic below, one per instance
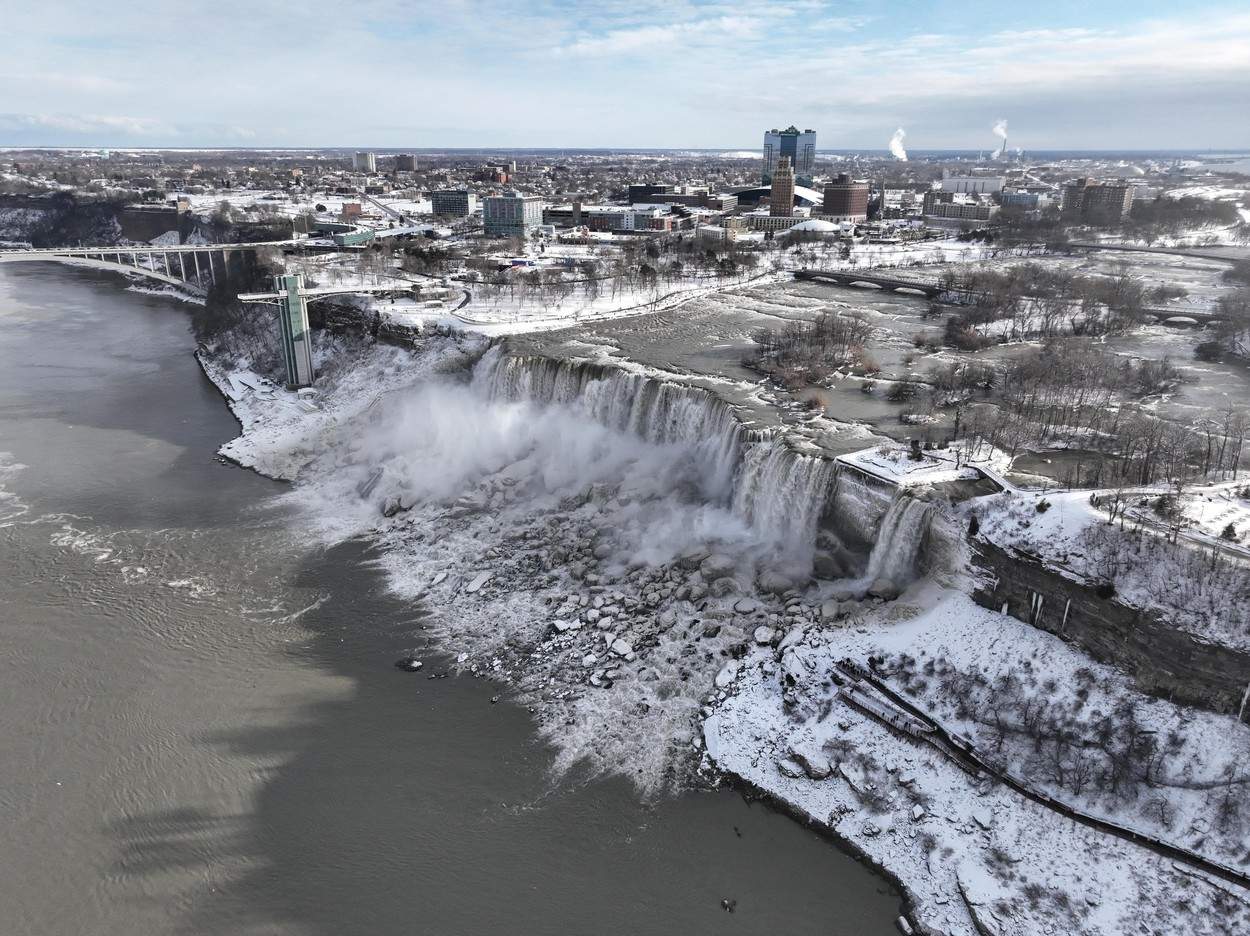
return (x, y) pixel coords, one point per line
(896, 145)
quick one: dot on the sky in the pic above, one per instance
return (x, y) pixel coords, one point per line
(1097, 74)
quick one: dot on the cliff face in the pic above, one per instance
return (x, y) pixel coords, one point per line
(1164, 660)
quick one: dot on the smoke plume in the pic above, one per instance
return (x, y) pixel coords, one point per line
(896, 145)
(1000, 129)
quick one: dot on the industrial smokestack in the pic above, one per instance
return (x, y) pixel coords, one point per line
(896, 145)
(1000, 130)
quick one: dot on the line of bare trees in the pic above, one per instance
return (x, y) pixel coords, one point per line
(1036, 301)
(1044, 734)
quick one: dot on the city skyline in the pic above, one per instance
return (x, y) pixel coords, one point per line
(644, 75)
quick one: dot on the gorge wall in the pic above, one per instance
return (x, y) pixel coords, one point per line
(1162, 659)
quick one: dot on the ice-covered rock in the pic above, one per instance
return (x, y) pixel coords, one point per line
(746, 605)
(722, 587)
(815, 762)
(829, 610)
(793, 666)
(883, 588)
(691, 560)
(794, 637)
(825, 566)
(773, 583)
(764, 634)
(621, 647)
(717, 566)
(984, 818)
(475, 585)
(728, 673)
(790, 767)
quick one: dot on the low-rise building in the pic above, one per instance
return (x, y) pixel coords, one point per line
(610, 218)
(1024, 200)
(962, 207)
(648, 192)
(769, 222)
(973, 185)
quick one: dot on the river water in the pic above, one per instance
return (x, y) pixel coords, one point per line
(201, 729)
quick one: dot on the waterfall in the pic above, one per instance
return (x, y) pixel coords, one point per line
(898, 541)
(780, 492)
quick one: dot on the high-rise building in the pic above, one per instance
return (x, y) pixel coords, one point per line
(511, 214)
(781, 198)
(365, 162)
(798, 145)
(452, 203)
(846, 199)
(1097, 202)
(405, 162)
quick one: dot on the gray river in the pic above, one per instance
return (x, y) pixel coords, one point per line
(201, 729)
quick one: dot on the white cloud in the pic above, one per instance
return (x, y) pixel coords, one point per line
(665, 38)
(85, 124)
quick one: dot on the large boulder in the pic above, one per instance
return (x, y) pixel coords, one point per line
(827, 566)
(773, 583)
(884, 588)
(717, 566)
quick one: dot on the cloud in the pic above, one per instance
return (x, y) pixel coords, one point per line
(85, 124)
(681, 73)
(665, 38)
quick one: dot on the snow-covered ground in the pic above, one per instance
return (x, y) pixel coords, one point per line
(898, 465)
(974, 856)
(1181, 580)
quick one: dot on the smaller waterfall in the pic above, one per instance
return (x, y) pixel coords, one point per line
(898, 541)
(783, 493)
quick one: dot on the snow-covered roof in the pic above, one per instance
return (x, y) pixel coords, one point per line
(818, 226)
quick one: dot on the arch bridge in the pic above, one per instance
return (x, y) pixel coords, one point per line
(933, 289)
(193, 265)
(929, 288)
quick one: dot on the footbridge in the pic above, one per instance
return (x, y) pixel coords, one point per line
(930, 288)
(194, 265)
(934, 289)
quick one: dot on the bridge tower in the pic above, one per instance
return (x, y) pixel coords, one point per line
(296, 334)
